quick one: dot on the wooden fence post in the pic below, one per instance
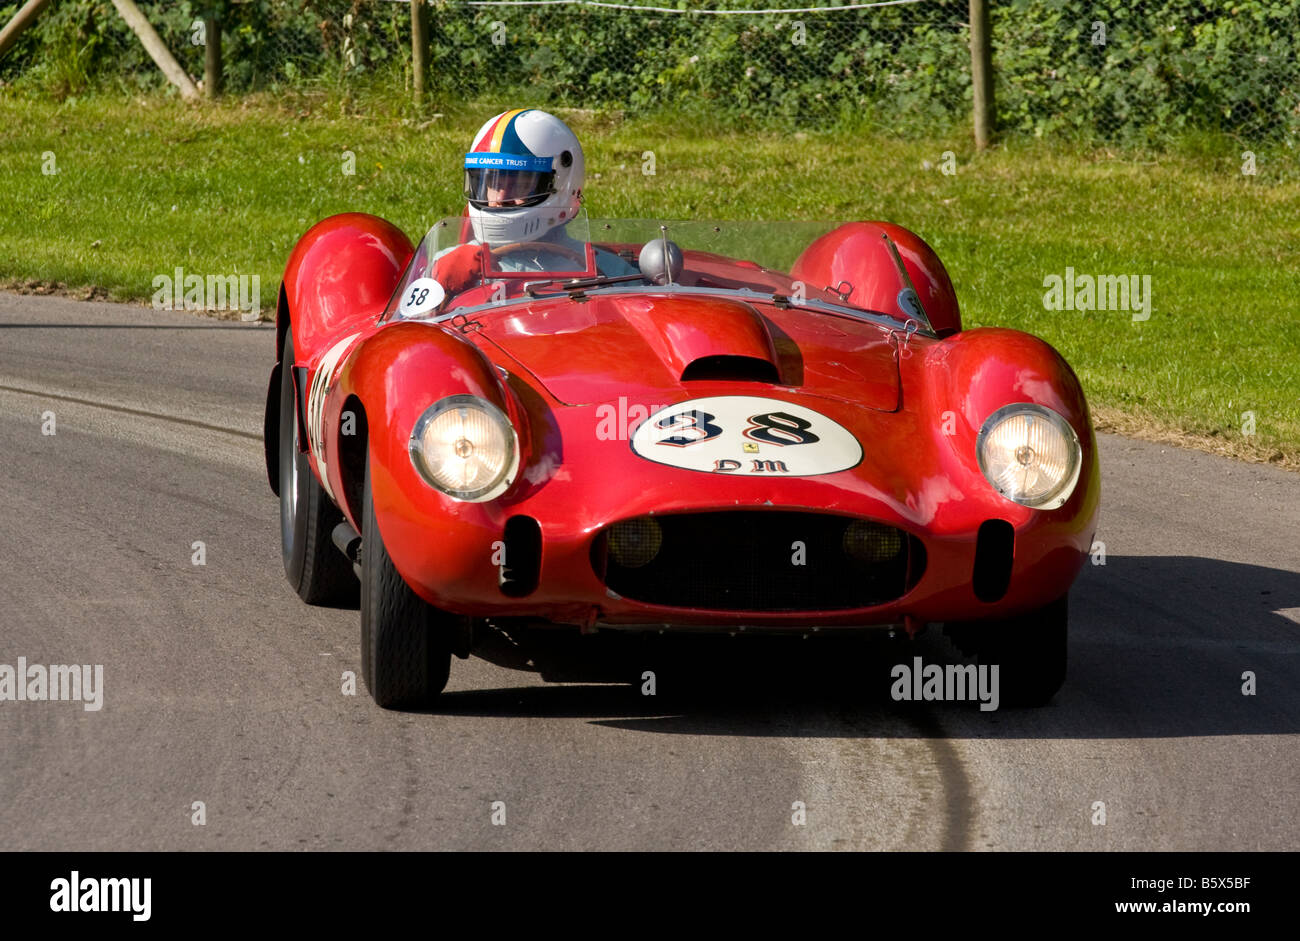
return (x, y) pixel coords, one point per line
(212, 69)
(981, 72)
(22, 19)
(156, 48)
(419, 49)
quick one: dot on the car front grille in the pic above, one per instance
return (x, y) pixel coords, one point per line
(743, 560)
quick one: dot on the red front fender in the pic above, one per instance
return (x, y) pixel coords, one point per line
(397, 373)
(339, 278)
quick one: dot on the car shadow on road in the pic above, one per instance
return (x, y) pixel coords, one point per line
(1159, 647)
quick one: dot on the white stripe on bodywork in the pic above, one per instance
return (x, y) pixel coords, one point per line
(316, 395)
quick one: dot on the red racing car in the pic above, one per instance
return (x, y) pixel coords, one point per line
(632, 425)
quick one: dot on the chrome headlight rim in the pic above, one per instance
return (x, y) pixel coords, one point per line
(415, 447)
(1057, 497)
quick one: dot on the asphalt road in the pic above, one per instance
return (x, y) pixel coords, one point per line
(221, 687)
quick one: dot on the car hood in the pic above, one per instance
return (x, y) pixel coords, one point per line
(654, 347)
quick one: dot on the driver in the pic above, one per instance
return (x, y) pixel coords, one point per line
(523, 180)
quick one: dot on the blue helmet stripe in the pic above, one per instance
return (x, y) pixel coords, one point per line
(505, 161)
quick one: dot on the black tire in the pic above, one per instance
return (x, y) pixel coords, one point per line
(1030, 651)
(405, 642)
(314, 566)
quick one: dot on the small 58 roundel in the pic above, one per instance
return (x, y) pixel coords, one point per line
(420, 296)
(746, 436)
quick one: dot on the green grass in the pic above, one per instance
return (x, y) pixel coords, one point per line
(147, 184)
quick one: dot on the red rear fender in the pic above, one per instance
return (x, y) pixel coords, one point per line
(855, 252)
(340, 276)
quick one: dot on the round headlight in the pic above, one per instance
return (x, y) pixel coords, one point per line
(1030, 455)
(464, 446)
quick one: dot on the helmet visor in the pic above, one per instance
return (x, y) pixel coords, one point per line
(495, 188)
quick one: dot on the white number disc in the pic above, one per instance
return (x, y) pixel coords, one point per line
(420, 297)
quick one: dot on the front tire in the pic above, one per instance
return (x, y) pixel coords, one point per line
(316, 569)
(405, 642)
(1030, 651)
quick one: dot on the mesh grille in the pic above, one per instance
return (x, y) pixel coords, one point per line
(758, 561)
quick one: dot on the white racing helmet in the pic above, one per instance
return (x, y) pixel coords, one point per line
(523, 176)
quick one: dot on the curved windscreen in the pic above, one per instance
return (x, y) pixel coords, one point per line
(852, 268)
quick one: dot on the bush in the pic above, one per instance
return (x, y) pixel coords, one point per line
(1105, 70)
(266, 43)
(1115, 70)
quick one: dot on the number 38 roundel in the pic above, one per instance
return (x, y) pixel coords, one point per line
(746, 436)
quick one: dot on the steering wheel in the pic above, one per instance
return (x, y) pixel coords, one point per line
(513, 247)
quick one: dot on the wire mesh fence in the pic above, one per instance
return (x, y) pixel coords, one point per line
(1098, 70)
(906, 61)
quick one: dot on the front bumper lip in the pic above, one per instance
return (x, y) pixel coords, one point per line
(751, 627)
(570, 592)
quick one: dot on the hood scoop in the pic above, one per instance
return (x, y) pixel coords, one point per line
(649, 347)
(704, 337)
(731, 369)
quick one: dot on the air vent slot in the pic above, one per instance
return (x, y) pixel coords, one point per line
(994, 552)
(731, 369)
(521, 564)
